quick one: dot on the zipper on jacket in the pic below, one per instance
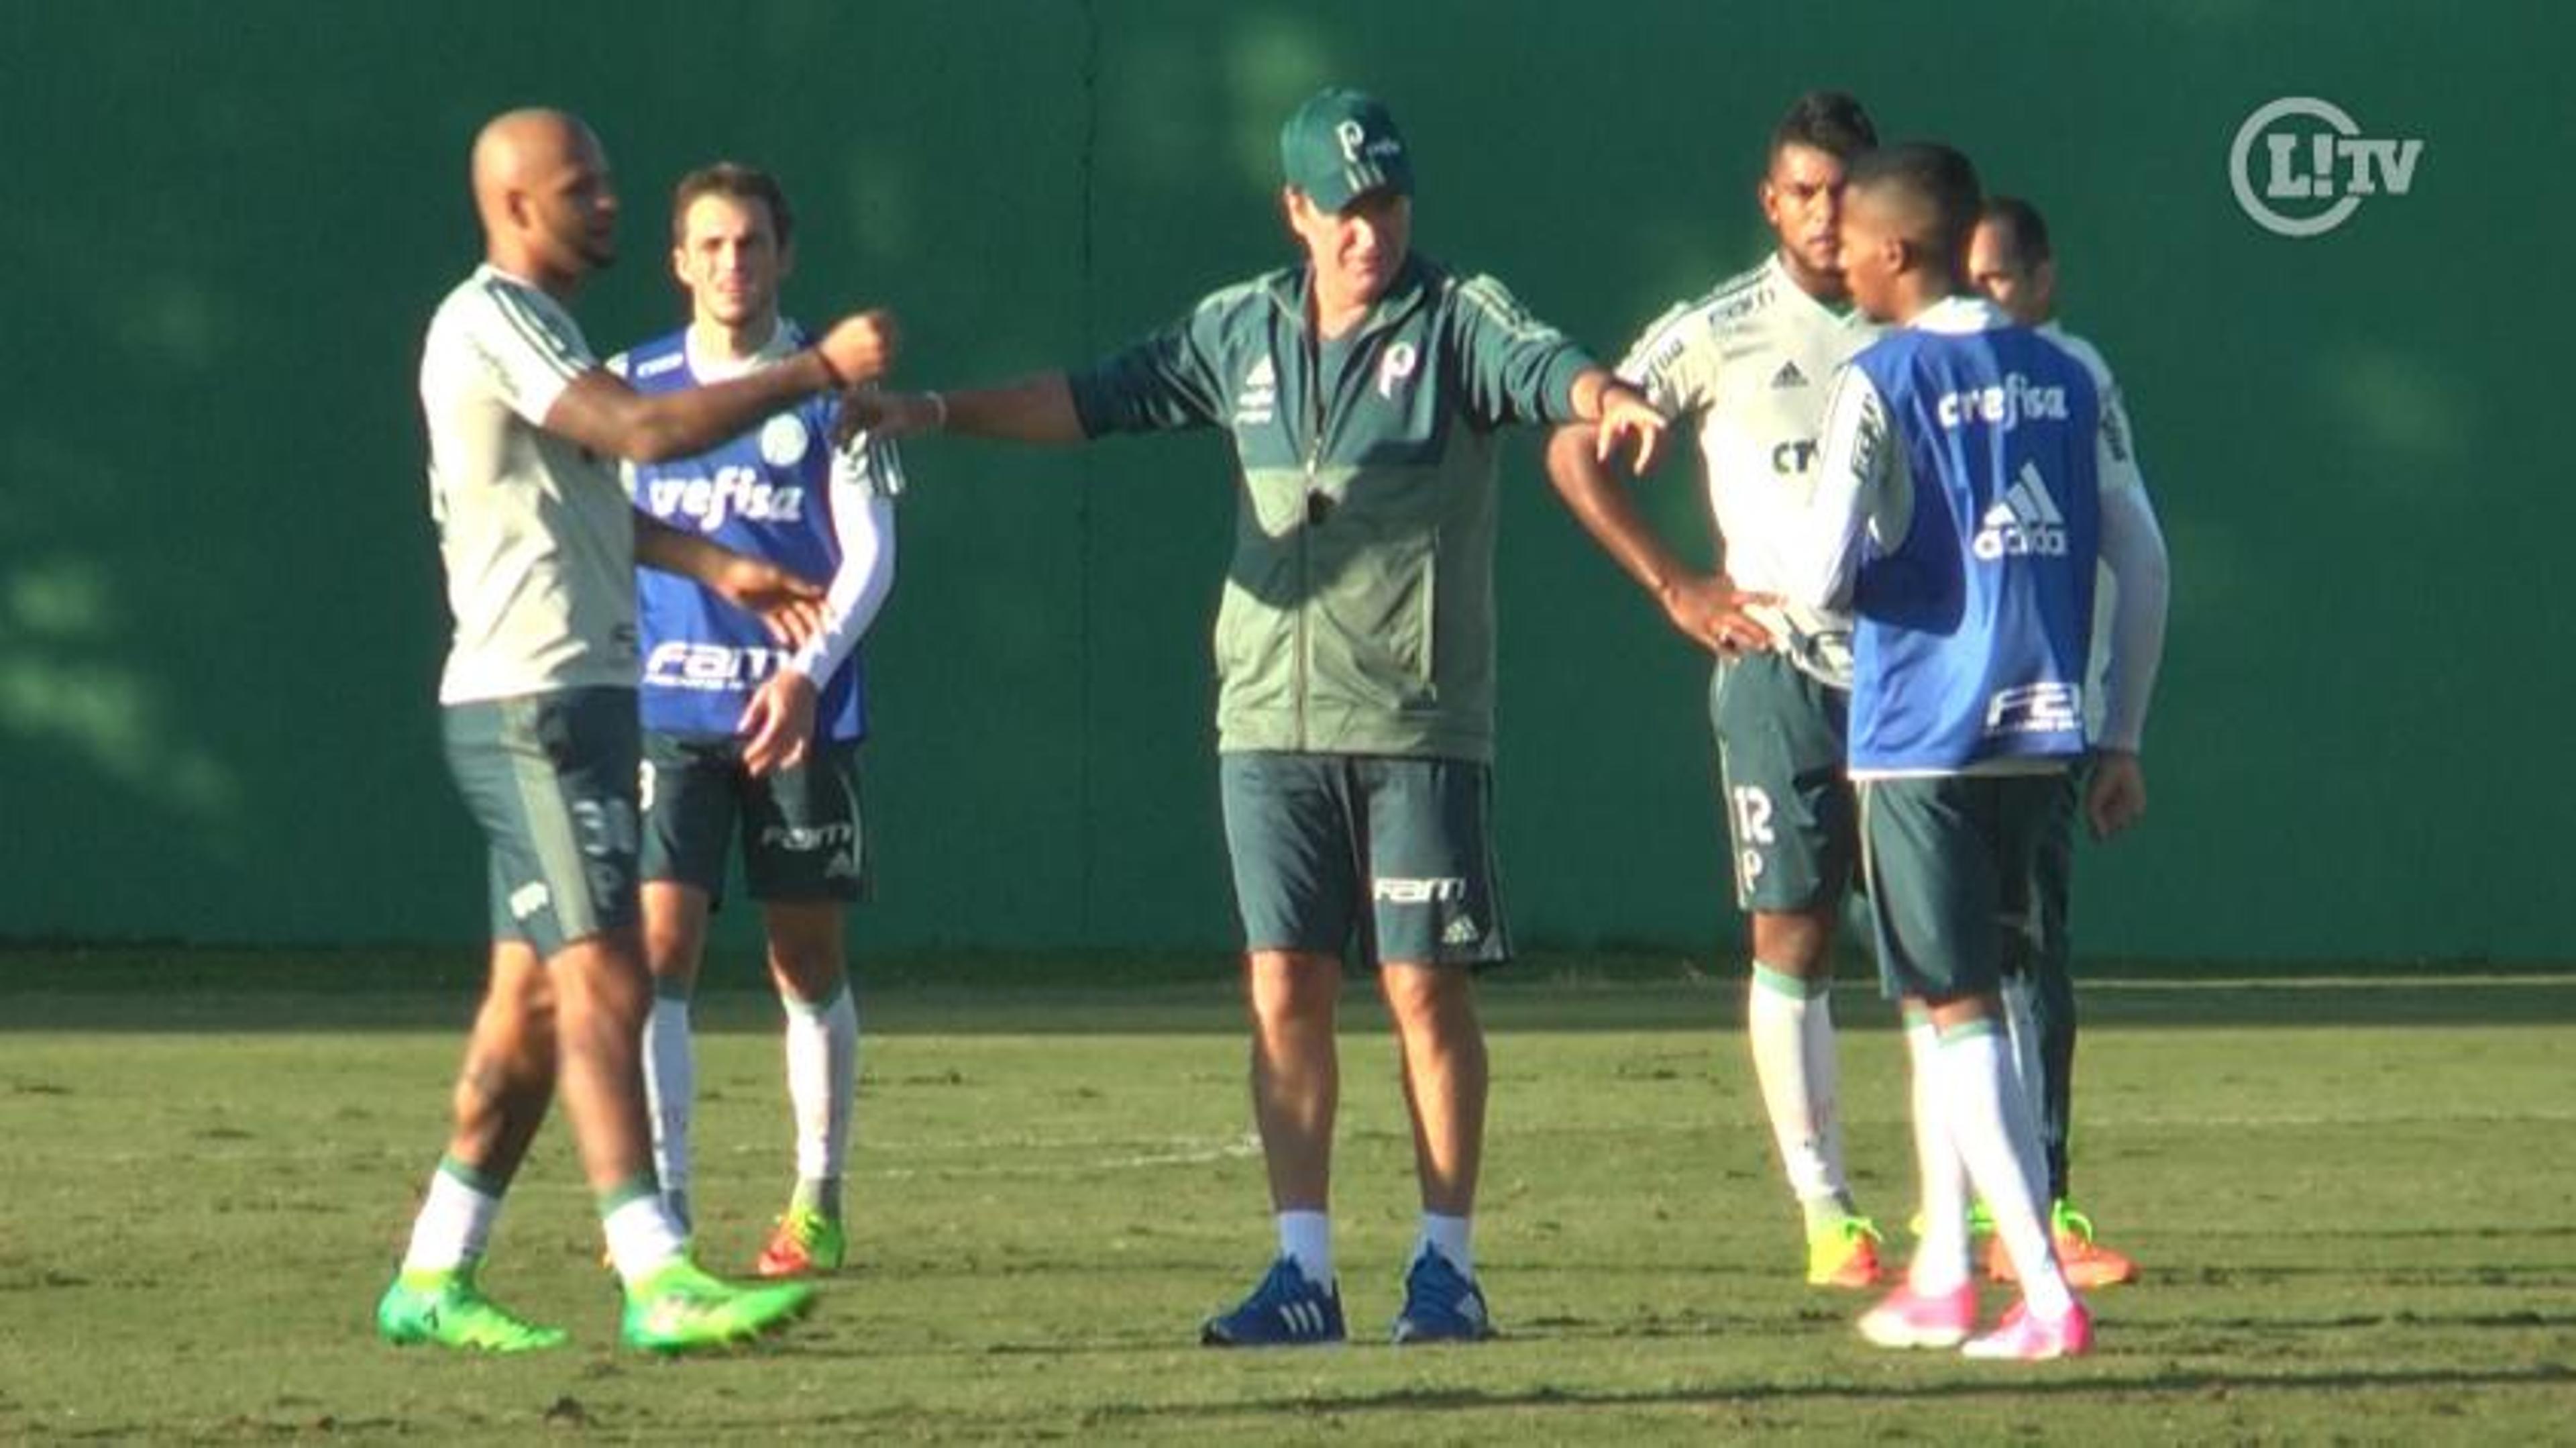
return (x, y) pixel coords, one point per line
(1316, 506)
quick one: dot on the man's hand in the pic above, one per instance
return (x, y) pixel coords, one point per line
(1708, 608)
(791, 608)
(861, 348)
(2117, 797)
(1624, 416)
(778, 723)
(886, 414)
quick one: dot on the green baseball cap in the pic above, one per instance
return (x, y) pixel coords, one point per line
(1342, 144)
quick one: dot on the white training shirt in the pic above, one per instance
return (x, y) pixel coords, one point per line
(1751, 360)
(2132, 590)
(536, 533)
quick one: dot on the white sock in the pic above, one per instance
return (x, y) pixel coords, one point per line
(822, 1078)
(1992, 1127)
(1306, 1238)
(670, 1092)
(454, 1225)
(1448, 1236)
(1791, 1030)
(1940, 1263)
(1824, 1088)
(642, 1237)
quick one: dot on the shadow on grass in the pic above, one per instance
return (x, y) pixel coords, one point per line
(2011, 1383)
(202, 989)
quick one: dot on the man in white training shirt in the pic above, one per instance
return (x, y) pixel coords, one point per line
(540, 720)
(1749, 362)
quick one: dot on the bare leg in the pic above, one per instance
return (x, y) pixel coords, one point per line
(1296, 1071)
(601, 991)
(806, 950)
(1445, 1079)
(508, 1079)
(675, 934)
(1795, 943)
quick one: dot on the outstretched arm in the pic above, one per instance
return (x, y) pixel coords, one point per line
(599, 411)
(1036, 409)
(1621, 417)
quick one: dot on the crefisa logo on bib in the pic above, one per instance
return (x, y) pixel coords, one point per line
(2301, 166)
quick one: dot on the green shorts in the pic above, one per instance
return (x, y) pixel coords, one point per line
(1949, 864)
(1789, 810)
(551, 779)
(1395, 852)
(803, 834)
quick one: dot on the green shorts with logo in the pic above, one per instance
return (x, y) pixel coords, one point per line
(803, 834)
(551, 779)
(1948, 861)
(1789, 810)
(1393, 854)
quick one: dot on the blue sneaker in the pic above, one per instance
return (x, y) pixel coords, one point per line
(1441, 1305)
(1286, 1310)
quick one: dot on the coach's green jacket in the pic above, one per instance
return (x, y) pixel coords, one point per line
(1359, 611)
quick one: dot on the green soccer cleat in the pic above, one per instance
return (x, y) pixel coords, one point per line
(1981, 1223)
(682, 1309)
(805, 1243)
(446, 1308)
(1844, 1253)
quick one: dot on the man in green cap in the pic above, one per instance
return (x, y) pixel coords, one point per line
(1365, 389)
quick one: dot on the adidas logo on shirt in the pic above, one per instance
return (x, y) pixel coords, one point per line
(1258, 402)
(1788, 376)
(2024, 522)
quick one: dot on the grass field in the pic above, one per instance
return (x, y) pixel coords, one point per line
(2353, 1199)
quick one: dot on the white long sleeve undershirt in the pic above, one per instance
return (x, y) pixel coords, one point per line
(866, 476)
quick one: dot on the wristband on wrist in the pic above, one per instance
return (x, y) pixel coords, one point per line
(830, 372)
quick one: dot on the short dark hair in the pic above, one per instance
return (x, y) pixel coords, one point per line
(742, 183)
(1832, 121)
(2024, 229)
(1940, 183)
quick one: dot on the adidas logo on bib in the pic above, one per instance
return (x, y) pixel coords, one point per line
(2024, 522)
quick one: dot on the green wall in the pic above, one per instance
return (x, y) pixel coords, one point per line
(219, 615)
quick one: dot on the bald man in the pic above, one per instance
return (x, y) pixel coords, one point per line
(540, 723)
(2011, 261)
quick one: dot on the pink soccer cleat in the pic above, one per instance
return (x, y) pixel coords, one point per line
(2024, 1337)
(1906, 1318)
